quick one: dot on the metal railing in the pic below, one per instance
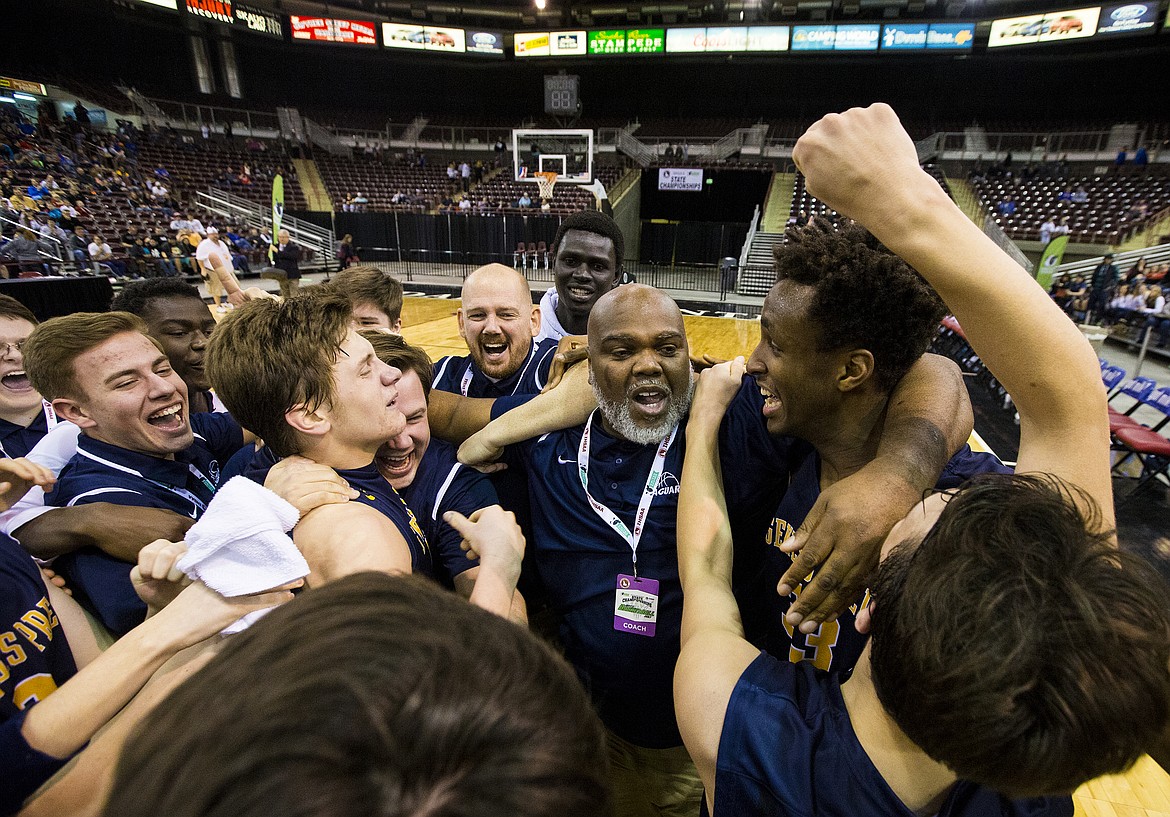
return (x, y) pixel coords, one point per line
(306, 234)
(1122, 260)
(753, 227)
(62, 255)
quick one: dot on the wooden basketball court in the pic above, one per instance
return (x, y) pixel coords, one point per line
(1144, 791)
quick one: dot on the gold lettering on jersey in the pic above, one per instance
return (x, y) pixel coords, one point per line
(13, 652)
(779, 532)
(39, 621)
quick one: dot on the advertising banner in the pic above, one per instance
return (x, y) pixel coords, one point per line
(686, 40)
(218, 10)
(531, 44)
(857, 37)
(950, 36)
(277, 213)
(726, 39)
(1050, 261)
(8, 85)
(488, 43)
(568, 44)
(680, 178)
(1054, 26)
(1131, 18)
(259, 21)
(646, 41)
(813, 38)
(173, 5)
(607, 42)
(904, 36)
(331, 30)
(767, 38)
(400, 35)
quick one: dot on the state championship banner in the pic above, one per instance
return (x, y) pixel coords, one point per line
(1050, 261)
(277, 214)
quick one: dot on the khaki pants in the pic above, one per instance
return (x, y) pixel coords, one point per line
(214, 287)
(652, 782)
(289, 286)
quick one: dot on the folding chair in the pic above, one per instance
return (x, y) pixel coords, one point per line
(1150, 447)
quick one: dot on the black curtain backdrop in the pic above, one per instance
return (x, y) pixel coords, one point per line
(691, 242)
(726, 195)
(443, 237)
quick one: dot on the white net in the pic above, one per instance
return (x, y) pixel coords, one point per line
(546, 181)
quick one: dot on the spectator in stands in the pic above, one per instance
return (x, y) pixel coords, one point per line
(25, 250)
(1141, 159)
(81, 114)
(360, 201)
(215, 265)
(1007, 207)
(79, 247)
(464, 204)
(1062, 228)
(102, 255)
(375, 297)
(286, 257)
(524, 201)
(1136, 273)
(465, 175)
(345, 253)
(1046, 230)
(138, 261)
(1101, 286)
(160, 251)
(1080, 195)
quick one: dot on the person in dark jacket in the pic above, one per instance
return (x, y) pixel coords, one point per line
(286, 256)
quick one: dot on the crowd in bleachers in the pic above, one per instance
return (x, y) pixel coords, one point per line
(1098, 209)
(108, 203)
(1128, 301)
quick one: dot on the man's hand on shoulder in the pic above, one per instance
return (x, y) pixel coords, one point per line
(306, 485)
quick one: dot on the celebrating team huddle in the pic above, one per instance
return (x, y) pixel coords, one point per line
(784, 585)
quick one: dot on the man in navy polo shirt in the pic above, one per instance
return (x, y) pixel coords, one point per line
(604, 498)
(139, 444)
(498, 321)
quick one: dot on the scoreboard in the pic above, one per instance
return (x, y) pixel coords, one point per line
(560, 94)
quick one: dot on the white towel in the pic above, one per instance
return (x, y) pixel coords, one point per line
(240, 544)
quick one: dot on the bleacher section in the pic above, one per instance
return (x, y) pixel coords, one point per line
(804, 204)
(420, 188)
(213, 163)
(1113, 208)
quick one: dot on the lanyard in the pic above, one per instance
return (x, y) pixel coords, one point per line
(608, 516)
(200, 505)
(51, 420)
(467, 375)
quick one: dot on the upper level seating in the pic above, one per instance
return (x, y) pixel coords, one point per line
(805, 202)
(502, 194)
(215, 163)
(424, 185)
(1111, 213)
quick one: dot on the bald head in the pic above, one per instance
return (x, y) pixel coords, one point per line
(498, 280)
(498, 319)
(639, 362)
(622, 309)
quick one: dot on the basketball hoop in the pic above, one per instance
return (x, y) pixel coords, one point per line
(546, 180)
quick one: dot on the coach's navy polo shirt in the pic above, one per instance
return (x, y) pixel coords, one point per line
(17, 440)
(788, 747)
(579, 557)
(450, 372)
(375, 491)
(442, 484)
(35, 659)
(835, 645)
(100, 472)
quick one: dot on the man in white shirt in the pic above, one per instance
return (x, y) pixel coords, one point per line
(100, 253)
(215, 264)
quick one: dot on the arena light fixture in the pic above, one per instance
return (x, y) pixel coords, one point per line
(7, 99)
(26, 97)
(540, 4)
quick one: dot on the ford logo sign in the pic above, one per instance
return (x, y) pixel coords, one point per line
(483, 38)
(1129, 12)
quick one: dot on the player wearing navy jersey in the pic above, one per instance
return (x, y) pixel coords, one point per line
(323, 393)
(1013, 646)
(48, 709)
(24, 416)
(139, 445)
(376, 297)
(604, 498)
(498, 321)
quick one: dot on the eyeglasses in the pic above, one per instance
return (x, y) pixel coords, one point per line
(13, 347)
